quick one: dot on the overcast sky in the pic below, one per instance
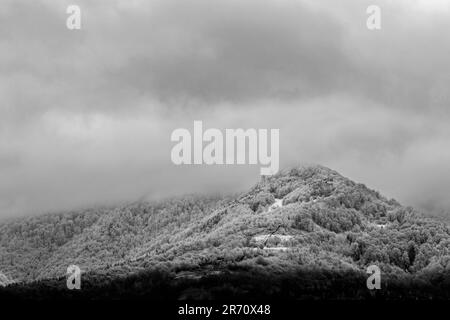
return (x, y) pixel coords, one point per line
(86, 116)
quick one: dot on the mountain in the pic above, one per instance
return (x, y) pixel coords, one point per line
(305, 219)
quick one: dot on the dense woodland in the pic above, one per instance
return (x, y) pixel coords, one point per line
(328, 228)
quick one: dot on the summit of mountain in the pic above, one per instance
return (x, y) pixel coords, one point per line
(302, 217)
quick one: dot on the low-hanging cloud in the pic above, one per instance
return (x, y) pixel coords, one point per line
(86, 116)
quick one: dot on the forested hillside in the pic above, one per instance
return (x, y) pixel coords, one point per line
(308, 218)
(44, 246)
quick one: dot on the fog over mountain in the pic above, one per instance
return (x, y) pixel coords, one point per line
(307, 228)
(86, 116)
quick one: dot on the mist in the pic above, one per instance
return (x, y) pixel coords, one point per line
(86, 116)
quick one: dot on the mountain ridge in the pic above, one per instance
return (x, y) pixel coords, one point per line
(323, 220)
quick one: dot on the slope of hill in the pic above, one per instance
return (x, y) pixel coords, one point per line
(39, 247)
(308, 218)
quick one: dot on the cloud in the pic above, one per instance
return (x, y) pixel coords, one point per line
(86, 116)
